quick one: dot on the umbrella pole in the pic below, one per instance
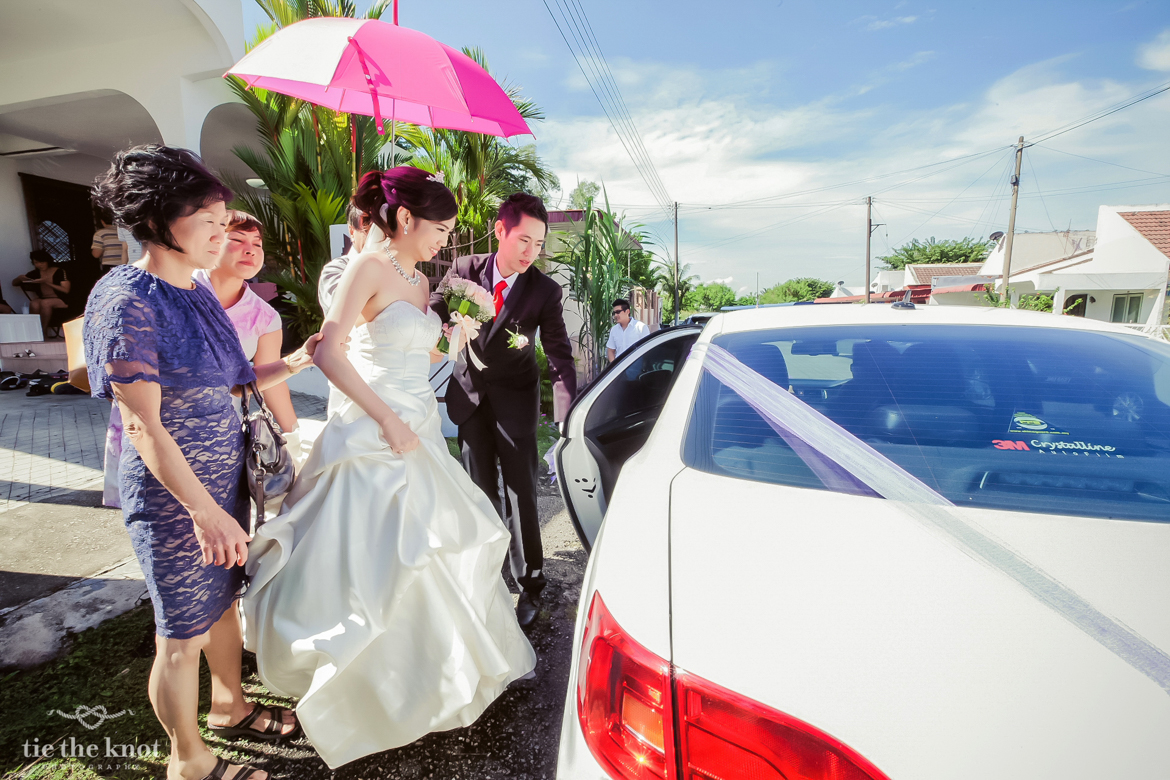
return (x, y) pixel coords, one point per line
(353, 148)
(393, 140)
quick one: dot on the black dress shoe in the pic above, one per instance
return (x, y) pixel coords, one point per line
(527, 608)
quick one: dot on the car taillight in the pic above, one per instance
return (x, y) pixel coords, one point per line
(624, 702)
(728, 736)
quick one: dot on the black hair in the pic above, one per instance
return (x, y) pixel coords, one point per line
(148, 187)
(414, 189)
(103, 216)
(41, 256)
(517, 206)
(623, 303)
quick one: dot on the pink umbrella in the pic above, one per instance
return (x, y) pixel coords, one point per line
(371, 67)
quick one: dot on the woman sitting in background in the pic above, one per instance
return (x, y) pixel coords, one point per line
(47, 281)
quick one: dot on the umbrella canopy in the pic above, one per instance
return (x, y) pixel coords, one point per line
(371, 67)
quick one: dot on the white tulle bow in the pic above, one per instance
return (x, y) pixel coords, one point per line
(470, 325)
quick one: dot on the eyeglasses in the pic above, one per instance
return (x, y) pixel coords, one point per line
(616, 312)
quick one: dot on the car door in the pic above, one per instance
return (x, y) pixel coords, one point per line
(611, 420)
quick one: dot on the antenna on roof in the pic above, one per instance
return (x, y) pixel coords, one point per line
(904, 303)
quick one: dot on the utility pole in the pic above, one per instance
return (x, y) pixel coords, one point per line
(1011, 231)
(869, 228)
(676, 262)
(868, 234)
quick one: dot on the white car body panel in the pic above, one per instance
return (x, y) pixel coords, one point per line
(635, 579)
(847, 613)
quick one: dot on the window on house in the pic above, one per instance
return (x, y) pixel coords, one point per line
(1126, 308)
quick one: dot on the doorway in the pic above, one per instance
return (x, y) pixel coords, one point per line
(60, 221)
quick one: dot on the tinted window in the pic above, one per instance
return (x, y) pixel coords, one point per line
(639, 387)
(1028, 419)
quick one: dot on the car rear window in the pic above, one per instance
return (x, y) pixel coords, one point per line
(1046, 420)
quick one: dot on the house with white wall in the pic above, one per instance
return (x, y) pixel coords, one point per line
(83, 80)
(1120, 276)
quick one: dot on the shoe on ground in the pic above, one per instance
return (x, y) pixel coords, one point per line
(527, 608)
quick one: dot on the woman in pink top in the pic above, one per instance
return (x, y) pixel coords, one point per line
(257, 323)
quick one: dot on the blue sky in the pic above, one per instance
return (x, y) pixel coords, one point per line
(746, 100)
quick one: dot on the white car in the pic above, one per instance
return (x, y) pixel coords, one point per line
(740, 619)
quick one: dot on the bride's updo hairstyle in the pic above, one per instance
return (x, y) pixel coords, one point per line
(380, 193)
(148, 187)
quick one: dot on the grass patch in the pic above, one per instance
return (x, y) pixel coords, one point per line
(107, 666)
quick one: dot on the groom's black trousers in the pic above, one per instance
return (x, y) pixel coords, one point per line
(481, 441)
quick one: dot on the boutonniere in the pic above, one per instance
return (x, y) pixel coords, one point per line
(517, 340)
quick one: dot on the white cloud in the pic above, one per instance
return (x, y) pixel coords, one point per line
(726, 281)
(882, 24)
(874, 23)
(1155, 55)
(716, 144)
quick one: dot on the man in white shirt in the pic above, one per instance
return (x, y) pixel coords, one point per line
(626, 330)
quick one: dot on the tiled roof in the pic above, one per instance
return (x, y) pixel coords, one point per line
(1154, 227)
(924, 273)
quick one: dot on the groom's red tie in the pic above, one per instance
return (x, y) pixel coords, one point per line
(499, 296)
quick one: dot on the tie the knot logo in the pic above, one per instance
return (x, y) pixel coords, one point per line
(91, 717)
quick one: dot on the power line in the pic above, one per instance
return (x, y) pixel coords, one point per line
(773, 226)
(952, 200)
(1132, 101)
(1040, 192)
(594, 67)
(1103, 162)
(608, 105)
(615, 92)
(952, 217)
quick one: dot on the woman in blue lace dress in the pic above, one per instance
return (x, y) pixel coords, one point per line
(165, 351)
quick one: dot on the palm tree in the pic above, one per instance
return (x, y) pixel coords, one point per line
(663, 276)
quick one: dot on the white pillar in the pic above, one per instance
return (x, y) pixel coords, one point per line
(1058, 301)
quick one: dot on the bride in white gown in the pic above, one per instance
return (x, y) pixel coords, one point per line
(376, 596)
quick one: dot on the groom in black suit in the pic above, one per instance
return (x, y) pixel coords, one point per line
(497, 408)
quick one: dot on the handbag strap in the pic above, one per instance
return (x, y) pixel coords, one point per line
(272, 424)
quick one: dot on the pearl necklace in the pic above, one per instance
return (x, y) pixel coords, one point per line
(411, 280)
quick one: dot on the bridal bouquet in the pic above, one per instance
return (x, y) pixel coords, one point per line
(470, 306)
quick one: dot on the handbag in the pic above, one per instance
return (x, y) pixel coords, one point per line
(267, 461)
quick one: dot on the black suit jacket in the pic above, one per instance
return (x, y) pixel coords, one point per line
(511, 381)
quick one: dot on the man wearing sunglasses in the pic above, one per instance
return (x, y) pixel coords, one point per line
(626, 330)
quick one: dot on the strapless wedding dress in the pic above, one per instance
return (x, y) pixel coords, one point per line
(376, 597)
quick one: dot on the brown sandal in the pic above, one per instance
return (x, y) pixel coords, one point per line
(273, 731)
(222, 765)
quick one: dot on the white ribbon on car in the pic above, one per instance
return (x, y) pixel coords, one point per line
(463, 322)
(845, 463)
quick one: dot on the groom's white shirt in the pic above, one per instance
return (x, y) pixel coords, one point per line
(497, 276)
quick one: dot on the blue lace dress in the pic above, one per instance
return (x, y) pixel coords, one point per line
(139, 328)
